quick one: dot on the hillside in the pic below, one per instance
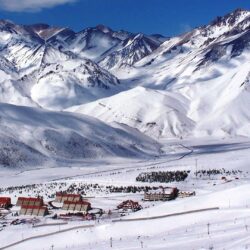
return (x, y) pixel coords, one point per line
(192, 85)
(34, 137)
(153, 112)
(207, 67)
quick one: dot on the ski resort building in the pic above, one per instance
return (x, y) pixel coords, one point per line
(161, 194)
(129, 205)
(34, 210)
(5, 202)
(61, 197)
(28, 201)
(183, 194)
(79, 206)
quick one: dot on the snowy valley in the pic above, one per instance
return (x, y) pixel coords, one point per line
(114, 117)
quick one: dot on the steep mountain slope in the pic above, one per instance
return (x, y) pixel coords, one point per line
(156, 113)
(195, 84)
(90, 43)
(35, 73)
(93, 43)
(227, 100)
(100, 42)
(45, 31)
(132, 51)
(33, 137)
(180, 56)
(50, 66)
(64, 80)
(209, 67)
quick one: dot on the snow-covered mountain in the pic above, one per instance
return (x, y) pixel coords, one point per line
(210, 67)
(64, 80)
(56, 68)
(156, 113)
(207, 67)
(195, 84)
(31, 64)
(133, 50)
(34, 137)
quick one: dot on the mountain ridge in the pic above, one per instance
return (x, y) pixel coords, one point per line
(57, 68)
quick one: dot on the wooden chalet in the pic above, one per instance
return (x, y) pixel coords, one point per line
(29, 201)
(5, 202)
(161, 194)
(34, 210)
(129, 205)
(61, 197)
(78, 206)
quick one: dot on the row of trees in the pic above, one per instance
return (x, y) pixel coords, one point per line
(221, 171)
(163, 176)
(49, 190)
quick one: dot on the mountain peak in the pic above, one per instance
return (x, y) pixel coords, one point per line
(239, 11)
(103, 28)
(6, 22)
(44, 31)
(39, 26)
(232, 18)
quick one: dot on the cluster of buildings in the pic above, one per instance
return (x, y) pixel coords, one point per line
(36, 207)
(76, 204)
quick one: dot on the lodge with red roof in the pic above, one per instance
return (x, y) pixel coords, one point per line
(29, 201)
(79, 206)
(129, 205)
(34, 210)
(5, 202)
(61, 197)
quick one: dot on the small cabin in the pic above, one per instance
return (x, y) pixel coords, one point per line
(5, 202)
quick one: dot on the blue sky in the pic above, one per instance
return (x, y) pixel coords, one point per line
(149, 16)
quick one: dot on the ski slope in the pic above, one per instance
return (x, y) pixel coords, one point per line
(228, 225)
(32, 137)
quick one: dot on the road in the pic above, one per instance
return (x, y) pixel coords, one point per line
(44, 235)
(113, 221)
(178, 158)
(166, 215)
